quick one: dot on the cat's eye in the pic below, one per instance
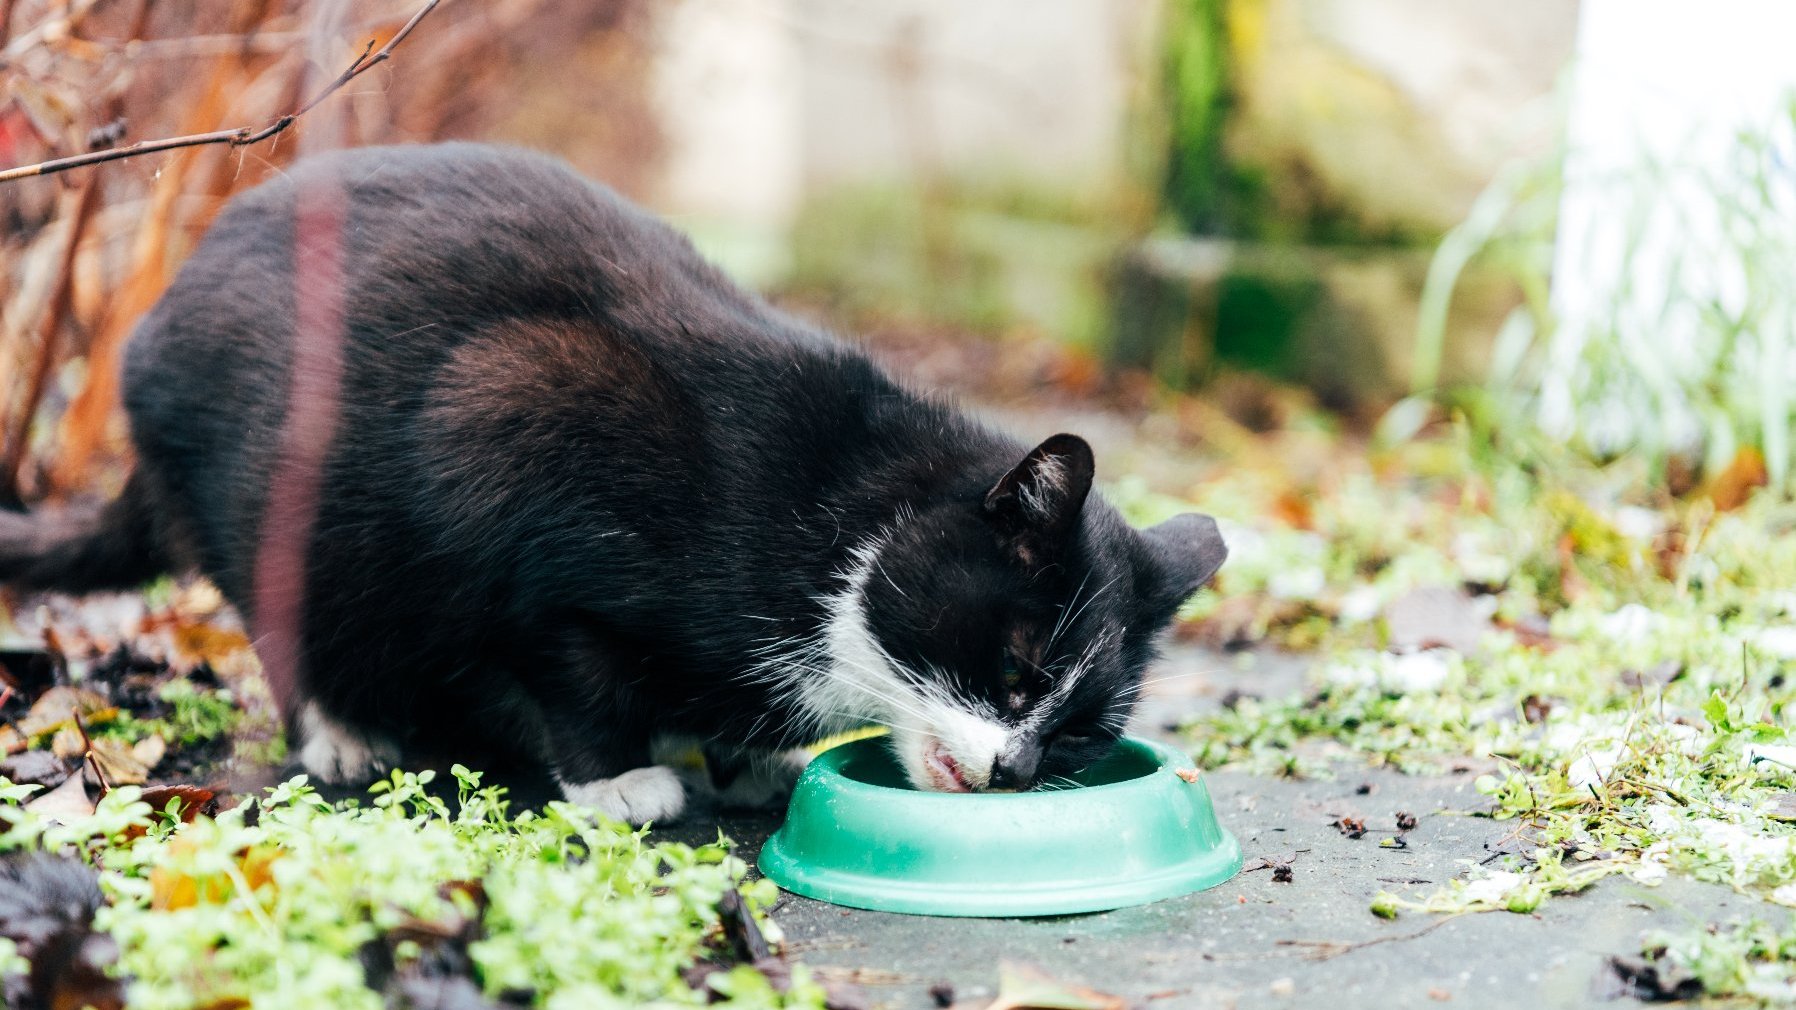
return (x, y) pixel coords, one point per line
(1013, 673)
(1080, 736)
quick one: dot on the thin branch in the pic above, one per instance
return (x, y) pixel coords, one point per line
(239, 137)
(1323, 950)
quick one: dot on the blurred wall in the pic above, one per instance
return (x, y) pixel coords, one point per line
(768, 105)
(988, 164)
(1396, 112)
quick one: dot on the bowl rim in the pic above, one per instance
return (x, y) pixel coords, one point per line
(828, 768)
(860, 887)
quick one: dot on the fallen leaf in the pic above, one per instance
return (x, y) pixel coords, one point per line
(119, 762)
(1531, 632)
(1294, 510)
(193, 801)
(173, 888)
(150, 751)
(1734, 485)
(1535, 709)
(207, 643)
(740, 929)
(1406, 821)
(1654, 981)
(1352, 827)
(47, 905)
(65, 803)
(34, 767)
(57, 707)
(1026, 987)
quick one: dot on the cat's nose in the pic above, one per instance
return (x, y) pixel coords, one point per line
(1016, 767)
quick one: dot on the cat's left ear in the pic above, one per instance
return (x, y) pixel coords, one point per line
(1035, 506)
(1182, 554)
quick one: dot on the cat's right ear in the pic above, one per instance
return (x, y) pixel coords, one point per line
(1035, 506)
(1182, 554)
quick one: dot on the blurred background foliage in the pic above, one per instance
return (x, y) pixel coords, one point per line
(1344, 211)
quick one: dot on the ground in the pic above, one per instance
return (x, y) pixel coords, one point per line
(1254, 942)
(1572, 678)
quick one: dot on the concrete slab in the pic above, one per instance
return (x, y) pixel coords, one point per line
(1256, 942)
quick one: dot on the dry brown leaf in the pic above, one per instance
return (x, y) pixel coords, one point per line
(172, 888)
(1733, 486)
(194, 801)
(150, 750)
(1026, 987)
(125, 764)
(64, 803)
(198, 642)
(57, 708)
(68, 742)
(1294, 510)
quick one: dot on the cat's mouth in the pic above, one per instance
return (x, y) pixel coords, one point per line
(944, 772)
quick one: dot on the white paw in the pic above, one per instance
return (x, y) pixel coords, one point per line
(638, 796)
(767, 780)
(334, 754)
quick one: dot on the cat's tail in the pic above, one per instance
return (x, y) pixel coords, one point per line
(111, 546)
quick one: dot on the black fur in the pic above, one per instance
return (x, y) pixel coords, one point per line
(580, 482)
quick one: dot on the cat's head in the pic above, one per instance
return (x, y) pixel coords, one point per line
(1003, 634)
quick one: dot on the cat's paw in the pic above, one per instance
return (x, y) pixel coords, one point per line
(766, 780)
(334, 754)
(638, 796)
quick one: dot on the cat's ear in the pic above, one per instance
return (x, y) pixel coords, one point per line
(1035, 506)
(1182, 554)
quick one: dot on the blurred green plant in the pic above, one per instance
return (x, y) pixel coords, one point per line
(279, 904)
(1684, 349)
(1196, 96)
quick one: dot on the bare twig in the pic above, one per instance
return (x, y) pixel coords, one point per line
(1324, 950)
(239, 137)
(88, 757)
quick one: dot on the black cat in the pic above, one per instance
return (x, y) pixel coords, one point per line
(579, 494)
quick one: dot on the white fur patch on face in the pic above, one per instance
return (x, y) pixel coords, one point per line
(636, 797)
(337, 755)
(944, 742)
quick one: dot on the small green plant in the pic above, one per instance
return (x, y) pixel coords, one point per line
(199, 714)
(277, 910)
(1642, 725)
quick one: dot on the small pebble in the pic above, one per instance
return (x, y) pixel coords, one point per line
(1284, 987)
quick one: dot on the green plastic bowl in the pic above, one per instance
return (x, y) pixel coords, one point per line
(1132, 832)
